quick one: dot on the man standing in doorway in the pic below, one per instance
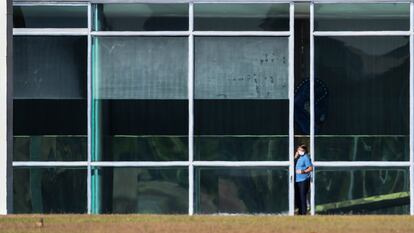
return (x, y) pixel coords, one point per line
(303, 168)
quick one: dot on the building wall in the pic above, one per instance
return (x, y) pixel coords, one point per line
(182, 108)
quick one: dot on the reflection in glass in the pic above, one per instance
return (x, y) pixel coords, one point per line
(141, 17)
(241, 98)
(362, 17)
(241, 17)
(367, 111)
(140, 98)
(50, 16)
(241, 190)
(50, 106)
(362, 190)
(141, 190)
(49, 190)
(241, 148)
(49, 148)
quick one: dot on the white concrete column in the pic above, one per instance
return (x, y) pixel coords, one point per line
(6, 107)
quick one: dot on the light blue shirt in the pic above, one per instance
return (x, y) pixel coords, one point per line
(303, 163)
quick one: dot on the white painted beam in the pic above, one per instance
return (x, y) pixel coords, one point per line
(6, 107)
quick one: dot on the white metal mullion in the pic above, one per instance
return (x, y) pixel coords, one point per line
(312, 107)
(49, 4)
(361, 33)
(153, 163)
(360, 1)
(187, 33)
(411, 82)
(361, 164)
(50, 164)
(191, 109)
(50, 31)
(140, 33)
(242, 163)
(89, 106)
(245, 1)
(241, 33)
(140, 164)
(291, 108)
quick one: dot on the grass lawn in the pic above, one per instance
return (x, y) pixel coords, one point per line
(202, 224)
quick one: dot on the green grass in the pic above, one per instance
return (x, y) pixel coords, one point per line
(204, 224)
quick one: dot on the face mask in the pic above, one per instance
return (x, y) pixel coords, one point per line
(301, 153)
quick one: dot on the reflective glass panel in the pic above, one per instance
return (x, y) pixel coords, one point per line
(141, 190)
(241, 190)
(241, 17)
(141, 17)
(49, 190)
(50, 16)
(50, 105)
(241, 106)
(362, 17)
(140, 98)
(362, 98)
(362, 191)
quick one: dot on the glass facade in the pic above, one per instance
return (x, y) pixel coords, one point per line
(195, 108)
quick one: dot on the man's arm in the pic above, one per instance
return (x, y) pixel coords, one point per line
(307, 170)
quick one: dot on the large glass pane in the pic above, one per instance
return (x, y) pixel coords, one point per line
(141, 17)
(49, 190)
(50, 16)
(362, 98)
(140, 190)
(140, 98)
(50, 106)
(362, 191)
(241, 17)
(241, 107)
(49, 67)
(241, 190)
(362, 17)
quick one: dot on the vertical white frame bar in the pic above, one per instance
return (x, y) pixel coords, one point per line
(6, 104)
(291, 106)
(191, 109)
(312, 107)
(411, 110)
(89, 106)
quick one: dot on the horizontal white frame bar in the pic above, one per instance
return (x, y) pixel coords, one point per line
(241, 33)
(359, 136)
(50, 32)
(241, 136)
(247, 1)
(194, 1)
(141, 164)
(242, 163)
(140, 33)
(50, 164)
(361, 33)
(84, 2)
(359, 1)
(138, 1)
(361, 164)
(38, 3)
(187, 33)
(209, 163)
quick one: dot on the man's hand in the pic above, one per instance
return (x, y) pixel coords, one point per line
(296, 154)
(299, 171)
